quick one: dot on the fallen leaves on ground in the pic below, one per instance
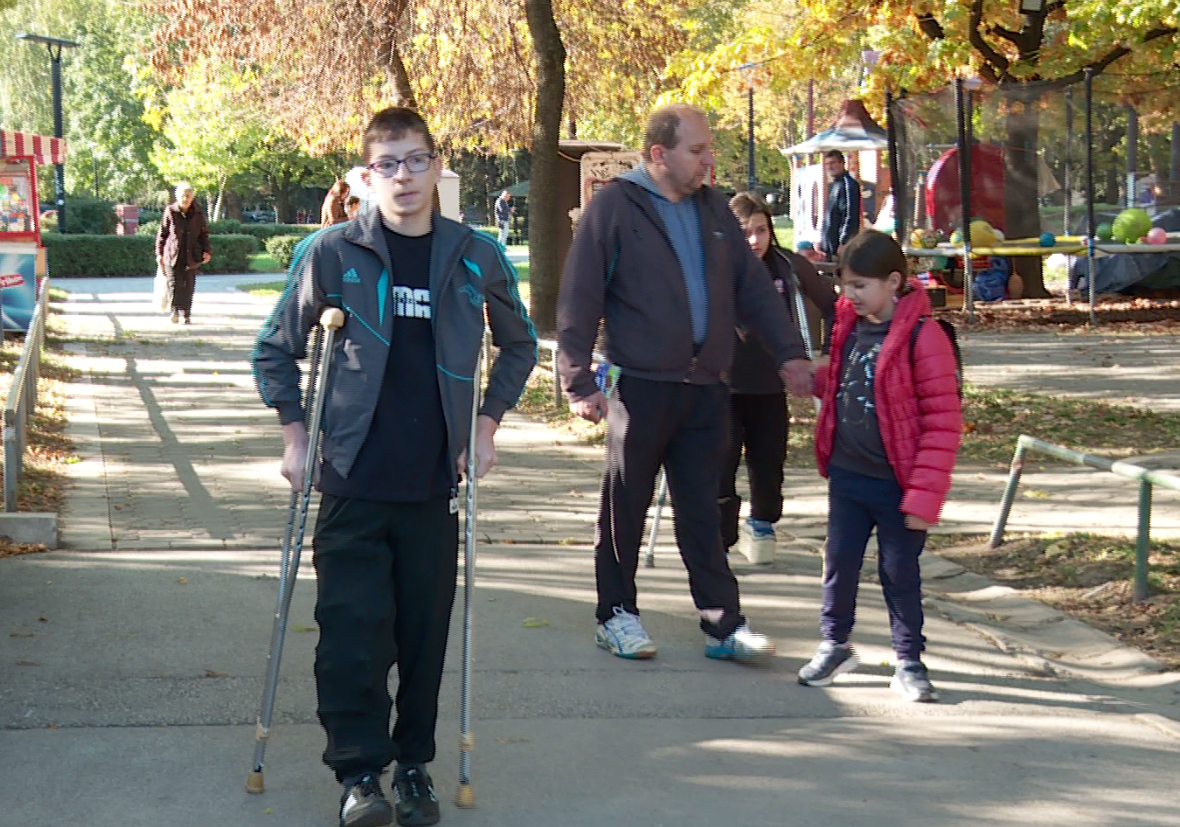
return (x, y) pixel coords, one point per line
(1087, 576)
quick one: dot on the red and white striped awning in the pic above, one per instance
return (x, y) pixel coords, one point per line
(45, 150)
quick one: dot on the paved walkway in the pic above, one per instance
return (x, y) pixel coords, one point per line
(132, 658)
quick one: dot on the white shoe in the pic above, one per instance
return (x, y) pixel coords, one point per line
(757, 541)
(624, 637)
(743, 645)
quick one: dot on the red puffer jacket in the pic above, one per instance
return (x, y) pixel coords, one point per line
(918, 406)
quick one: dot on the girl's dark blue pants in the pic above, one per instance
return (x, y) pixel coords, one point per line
(856, 504)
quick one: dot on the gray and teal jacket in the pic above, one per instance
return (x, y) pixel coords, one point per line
(347, 266)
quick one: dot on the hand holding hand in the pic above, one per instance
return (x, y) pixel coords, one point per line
(796, 375)
(592, 408)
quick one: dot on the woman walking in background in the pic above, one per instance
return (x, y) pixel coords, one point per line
(333, 210)
(182, 245)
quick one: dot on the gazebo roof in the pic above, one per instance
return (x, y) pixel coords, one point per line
(853, 130)
(43, 149)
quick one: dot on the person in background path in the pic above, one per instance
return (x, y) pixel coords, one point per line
(504, 211)
(842, 214)
(758, 406)
(886, 439)
(352, 207)
(182, 245)
(332, 211)
(416, 287)
(661, 260)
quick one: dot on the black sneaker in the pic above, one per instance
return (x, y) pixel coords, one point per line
(831, 659)
(413, 796)
(912, 682)
(363, 804)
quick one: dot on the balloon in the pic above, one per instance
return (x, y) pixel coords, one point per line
(1048, 240)
(1104, 231)
(1157, 235)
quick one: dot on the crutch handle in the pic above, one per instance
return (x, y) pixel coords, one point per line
(332, 318)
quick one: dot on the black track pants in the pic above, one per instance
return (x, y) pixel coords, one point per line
(385, 586)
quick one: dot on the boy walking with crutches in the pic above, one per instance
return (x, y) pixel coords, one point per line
(397, 413)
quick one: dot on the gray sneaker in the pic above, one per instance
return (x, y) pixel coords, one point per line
(912, 682)
(831, 659)
(623, 635)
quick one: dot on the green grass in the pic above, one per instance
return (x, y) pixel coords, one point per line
(264, 263)
(264, 289)
(784, 231)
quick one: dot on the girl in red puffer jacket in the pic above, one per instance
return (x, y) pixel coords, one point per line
(886, 439)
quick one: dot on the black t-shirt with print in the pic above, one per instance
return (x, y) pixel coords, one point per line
(404, 456)
(858, 446)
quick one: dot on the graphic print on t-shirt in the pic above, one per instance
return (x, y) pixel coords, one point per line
(410, 302)
(856, 390)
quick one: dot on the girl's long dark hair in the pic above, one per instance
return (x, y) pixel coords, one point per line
(874, 255)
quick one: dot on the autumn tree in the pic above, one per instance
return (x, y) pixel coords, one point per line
(485, 75)
(925, 45)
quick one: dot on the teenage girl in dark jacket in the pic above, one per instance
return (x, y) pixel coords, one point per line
(759, 415)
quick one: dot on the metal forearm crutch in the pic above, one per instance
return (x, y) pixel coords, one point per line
(331, 320)
(465, 794)
(649, 559)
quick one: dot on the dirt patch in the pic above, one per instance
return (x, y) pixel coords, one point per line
(1087, 576)
(1148, 314)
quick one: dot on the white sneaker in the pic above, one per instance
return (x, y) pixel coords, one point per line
(743, 645)
(757, 541)
(623, 636)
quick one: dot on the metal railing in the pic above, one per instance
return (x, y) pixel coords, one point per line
(22, 398)
(1146, 477)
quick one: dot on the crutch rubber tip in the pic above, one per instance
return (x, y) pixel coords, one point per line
(465, 796)
(332, 318)
(254, 782)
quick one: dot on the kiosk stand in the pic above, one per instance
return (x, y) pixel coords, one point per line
(22, 257)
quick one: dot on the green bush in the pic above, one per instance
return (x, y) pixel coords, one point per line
(265, 231)
(135, 255)
(231, 253)
(225, 226)
(100, 255)
(259, 231)
(282, 248)
(84, 216)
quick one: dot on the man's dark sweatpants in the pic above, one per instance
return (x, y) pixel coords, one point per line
(385, 584)
(856, 503)
(758, 424)
(685, 428)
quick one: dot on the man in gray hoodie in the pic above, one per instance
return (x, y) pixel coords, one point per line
(662, 261)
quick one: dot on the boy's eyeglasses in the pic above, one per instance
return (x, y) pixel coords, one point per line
(387, 167)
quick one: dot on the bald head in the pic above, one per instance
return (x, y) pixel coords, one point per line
(663, 126)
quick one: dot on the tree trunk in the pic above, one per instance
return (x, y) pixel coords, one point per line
(544, 266)
(1022, 218)
(399, 80)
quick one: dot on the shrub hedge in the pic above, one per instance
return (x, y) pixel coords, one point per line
(282, 248)
(233, 227)
(135, 255)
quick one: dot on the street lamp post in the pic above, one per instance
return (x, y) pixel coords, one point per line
(55, 46)
(747, 70)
